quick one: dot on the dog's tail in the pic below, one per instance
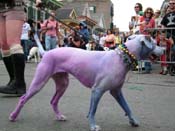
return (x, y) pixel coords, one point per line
(40, 47)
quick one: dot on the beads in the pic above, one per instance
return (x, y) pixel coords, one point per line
(132, 60)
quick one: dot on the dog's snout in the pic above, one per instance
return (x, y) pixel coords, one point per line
(158, 51)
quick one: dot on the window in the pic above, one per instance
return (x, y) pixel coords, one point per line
(92, 9)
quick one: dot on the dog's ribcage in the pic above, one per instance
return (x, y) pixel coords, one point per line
(86, 66)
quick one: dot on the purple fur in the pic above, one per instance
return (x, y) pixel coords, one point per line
(99, 70)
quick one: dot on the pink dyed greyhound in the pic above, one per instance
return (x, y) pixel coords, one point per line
(91, 68)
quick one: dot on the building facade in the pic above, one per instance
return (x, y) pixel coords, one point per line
(97, 7)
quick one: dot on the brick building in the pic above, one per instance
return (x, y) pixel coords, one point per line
(104, 7)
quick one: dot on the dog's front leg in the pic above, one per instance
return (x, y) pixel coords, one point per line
(95, 98)
(118, 95)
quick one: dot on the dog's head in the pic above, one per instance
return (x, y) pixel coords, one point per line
(146, 46)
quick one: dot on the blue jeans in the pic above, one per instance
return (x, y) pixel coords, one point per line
(25, 46)
(148, 66)
(50, 42)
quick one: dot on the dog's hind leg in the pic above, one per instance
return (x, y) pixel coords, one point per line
(41, 77)
(95, 98)
(61, 82)
(118, 95)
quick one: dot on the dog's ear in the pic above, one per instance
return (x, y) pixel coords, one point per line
(147, 41)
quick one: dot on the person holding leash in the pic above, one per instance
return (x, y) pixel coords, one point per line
(12, 17)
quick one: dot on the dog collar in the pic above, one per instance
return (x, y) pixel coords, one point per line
(128, 57)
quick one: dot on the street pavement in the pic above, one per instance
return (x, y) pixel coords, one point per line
(150, 96)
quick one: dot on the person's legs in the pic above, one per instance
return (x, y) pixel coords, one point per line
(164, 65)
(5, 51)
(53, 43)
(25, 46)
(47, 42)
(13, 34)
(147, 67)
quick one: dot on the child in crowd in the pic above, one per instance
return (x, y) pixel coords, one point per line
(163, 41)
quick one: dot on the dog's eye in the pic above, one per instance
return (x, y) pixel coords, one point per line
(148, 38)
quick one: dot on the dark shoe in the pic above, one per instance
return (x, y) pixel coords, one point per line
(147, 72)
(10, 69)
(19, 69)
(18, 86)
(161, 72)
(13, 90)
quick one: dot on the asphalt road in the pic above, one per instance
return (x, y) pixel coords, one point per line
(150, 96)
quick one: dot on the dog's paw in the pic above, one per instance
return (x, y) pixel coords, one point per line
(95, 128)
(12, 117)
(61, 118)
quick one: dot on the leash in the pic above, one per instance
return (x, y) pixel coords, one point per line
(40, 47)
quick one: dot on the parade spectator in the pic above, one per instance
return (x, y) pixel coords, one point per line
(157, 19)
(147, 22)
(42, 33)
(138, 8)
(168, 21)
(102, 39)
(110, 39)
(164, 8)
(75, 40)
(25, 37)
(84, 32)
(133, 24)
(92, 45)
(118, 39)
(171, 5)
(166, 43)
(52, 34)
(96, 38)
(123, 36)
(34, 25)
(65, 39)
(11, 21)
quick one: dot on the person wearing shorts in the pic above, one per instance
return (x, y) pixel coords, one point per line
(12, 17)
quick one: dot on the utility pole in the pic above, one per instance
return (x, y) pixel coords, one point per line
(112, 14)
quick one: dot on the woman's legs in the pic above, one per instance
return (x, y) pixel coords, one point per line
(13, 34)
(5, 50)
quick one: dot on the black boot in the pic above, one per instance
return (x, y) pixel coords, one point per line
(17, 87)
(9, 66)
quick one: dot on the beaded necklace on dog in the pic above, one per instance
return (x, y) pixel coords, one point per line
(128, 58)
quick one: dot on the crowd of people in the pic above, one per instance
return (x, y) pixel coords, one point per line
(159, 23)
